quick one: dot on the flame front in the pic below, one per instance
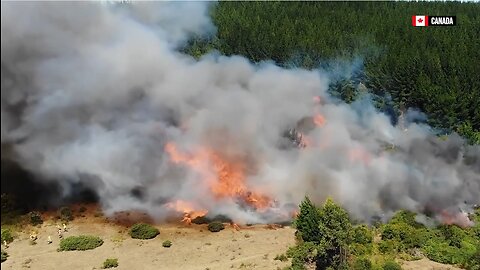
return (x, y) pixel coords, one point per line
(224, 178)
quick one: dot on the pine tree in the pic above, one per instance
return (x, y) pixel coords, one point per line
(307, 221)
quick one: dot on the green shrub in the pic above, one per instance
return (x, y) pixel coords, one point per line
(439, 250)
(362, 264)
(453, 234)
(391, 265)
(361, 249)
(35, 218)
(215, 226)
(66, 214)
(81, 242)
(281, 258)
(167, 243)
(362, 235)
(4, 256)
(110, 263)
(7, 235)
(387, 246)
(143, 231)
(305, 252)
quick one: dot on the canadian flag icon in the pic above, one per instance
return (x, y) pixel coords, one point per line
(421, 20)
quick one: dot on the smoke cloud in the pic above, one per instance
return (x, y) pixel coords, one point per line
(92, 93)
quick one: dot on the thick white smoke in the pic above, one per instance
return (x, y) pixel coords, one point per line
(92, 92)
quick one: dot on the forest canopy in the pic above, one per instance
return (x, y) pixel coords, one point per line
(433, 69)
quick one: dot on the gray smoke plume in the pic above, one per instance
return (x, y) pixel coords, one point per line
(92, 93)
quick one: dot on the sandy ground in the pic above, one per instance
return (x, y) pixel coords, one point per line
(194, 247)
(425, 264)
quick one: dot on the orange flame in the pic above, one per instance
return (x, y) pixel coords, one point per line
(224, 179)
(189, 211)
(235, 226)
(319, 120)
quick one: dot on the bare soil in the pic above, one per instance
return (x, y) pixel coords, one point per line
(193, 246)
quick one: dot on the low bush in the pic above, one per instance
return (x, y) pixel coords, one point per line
(35, 218)
(201, 220)
(391, 265)
(81, 242)
(7, 235)
(281, 258)
(388, 246)
(362, 264)
(110, 263)
(362, 235)
(143, 231)
(215, 226)
(167, 243)
(82, 209)
(4, 256)
(65, 214)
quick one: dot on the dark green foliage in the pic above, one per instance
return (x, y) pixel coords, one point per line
(81, 242)
(473, 262)
(453, 234)
(167, 243)
(35, 218)
(307, 222)
(110, 263)
(440, 79)
(406, 217)
(326, 231)
(362, 235)
(200, 220)
(7, 235)
(215, 226)
(335, 235)
(391, 265)
(362, 264)
(303, 253)
(66, 214)
(388, 246)
(143, 231)
(4, 256)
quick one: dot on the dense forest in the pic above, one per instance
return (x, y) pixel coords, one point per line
(434, 69)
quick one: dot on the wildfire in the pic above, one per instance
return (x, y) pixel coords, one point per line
(188, 210)
(461, 219)
(235, 226)
(319, 120)
(224, 178)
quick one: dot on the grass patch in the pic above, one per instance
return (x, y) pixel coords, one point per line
(281, 257)
(81, 242)
(7, 235)
(110, 263)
